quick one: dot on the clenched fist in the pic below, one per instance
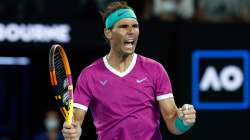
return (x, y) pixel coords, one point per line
(188, 114)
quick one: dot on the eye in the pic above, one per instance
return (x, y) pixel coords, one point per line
(124, 26)
(135, 26)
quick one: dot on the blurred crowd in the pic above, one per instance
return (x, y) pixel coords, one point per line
(200, 10)
(51, 129)
(167, 10)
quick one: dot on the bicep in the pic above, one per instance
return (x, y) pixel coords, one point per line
(79, 115)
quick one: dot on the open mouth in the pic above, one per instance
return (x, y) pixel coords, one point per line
(129, 43)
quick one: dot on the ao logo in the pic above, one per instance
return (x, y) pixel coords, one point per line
(220, 79)
(230, 79)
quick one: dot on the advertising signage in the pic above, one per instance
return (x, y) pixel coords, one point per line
(220, 79)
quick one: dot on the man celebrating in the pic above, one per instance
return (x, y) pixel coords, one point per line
(125, 91)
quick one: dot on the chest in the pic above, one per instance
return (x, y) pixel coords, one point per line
(129, 90)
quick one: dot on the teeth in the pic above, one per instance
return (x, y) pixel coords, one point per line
(130, 40)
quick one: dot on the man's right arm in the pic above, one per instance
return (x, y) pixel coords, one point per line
(79, 115)
(73, 131)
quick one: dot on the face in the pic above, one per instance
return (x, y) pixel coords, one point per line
(51, 121)
(123, 36)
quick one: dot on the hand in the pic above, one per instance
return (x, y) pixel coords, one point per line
(188, 114)
(71, 132)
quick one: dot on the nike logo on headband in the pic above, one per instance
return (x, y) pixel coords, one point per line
(120, 14)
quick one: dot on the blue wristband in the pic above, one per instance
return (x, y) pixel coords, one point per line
(181, 126)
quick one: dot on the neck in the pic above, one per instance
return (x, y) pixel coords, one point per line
(119, 62)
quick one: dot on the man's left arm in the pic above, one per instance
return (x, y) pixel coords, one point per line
(178, 120)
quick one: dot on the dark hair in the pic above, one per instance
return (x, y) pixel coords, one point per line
(113, 6)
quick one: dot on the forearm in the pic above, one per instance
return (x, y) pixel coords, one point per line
(79, 116)
(171, 114)
(170, 122)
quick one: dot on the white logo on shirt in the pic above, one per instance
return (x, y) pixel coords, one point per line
(141, 80)
(103, 82)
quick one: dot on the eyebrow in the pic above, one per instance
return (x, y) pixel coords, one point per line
(126, 25)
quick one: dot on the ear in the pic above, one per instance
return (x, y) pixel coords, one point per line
(107, 33)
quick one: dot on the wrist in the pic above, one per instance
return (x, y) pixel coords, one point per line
(181, 126)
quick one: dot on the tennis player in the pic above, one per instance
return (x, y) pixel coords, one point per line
(125, 91)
